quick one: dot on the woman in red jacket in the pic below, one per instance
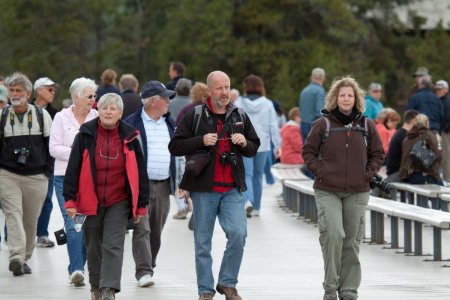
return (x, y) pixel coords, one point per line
(106, 180)
(292, 144)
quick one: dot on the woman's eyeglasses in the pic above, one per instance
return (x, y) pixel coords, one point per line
(91, 96)
(107, 156)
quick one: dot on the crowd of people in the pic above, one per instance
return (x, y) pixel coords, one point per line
(116, 153)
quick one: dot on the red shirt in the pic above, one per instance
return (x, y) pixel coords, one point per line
(223, 180)
(110, 165)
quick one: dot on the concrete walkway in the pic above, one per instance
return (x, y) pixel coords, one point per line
(282, 261)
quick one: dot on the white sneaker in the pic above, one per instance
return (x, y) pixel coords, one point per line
(146, 281)
(77, 278)
(255, 213)
(248, 209)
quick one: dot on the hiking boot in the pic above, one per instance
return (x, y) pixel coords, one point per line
(16, 267)
(108, 294)
(330, 296)
(206, 296)
(95, 293)
(44, 242)
(26, 269)
(248, 209)
(229, 292)
(180, 215)
(77, 278)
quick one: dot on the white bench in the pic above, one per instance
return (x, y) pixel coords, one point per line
(423, 193)
(304, 195)
(283, 172)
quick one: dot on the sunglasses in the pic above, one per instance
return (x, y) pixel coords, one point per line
(91, 96)
(51, 90)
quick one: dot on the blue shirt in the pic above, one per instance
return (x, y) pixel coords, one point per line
(311, 102)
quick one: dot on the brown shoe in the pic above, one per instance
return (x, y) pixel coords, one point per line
(206, 296)
(180, 215)
(229, 292)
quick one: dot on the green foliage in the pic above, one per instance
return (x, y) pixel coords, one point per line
(281, 41)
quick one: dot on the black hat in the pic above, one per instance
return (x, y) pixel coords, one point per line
(155, 88)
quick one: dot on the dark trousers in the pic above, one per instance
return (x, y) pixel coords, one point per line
(104, 236)
(44, 217)
(147, 234)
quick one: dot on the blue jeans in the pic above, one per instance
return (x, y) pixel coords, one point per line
(44, 217)
(75, 244)
(269, 162)
(229, 208)
(254, 170)
(304, 130)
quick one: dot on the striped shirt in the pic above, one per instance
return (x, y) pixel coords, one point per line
(158, 155)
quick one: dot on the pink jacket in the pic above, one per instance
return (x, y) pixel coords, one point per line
(62, 134)
(291, 145)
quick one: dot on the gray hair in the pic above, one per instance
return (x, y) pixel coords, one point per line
(425, 81)
(183, 87)
(147, 100)
(79, 84)
(128, 82)
(318, 73)
(19, 78)
(110, 99)
(374, 86)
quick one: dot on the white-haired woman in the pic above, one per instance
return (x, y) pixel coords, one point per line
(343, 164)
(106, 180)
(65, 127)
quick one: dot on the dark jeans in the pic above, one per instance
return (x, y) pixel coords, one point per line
(104, 236)
(304, 130)
(146, 240)
(44, 217)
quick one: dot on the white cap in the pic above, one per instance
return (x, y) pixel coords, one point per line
(441, 84)
(44, 81)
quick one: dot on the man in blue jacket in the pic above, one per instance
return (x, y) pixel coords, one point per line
(156, 128)
(427, 103)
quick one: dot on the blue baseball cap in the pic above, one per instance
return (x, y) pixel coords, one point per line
(155, 88)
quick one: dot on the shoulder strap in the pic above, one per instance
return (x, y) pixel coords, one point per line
(3, 119)
(40, 118)
(197, 116)
(325, 135)
(364, 130)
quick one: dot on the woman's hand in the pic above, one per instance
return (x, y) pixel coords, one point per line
(239, 139)
(71, 212)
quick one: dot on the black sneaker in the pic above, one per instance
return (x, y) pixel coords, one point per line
(26, 268)
(16, 267)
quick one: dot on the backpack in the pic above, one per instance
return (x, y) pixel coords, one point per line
(198, 113)
(361, 127)
(4, 117)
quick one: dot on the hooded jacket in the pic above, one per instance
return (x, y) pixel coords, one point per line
(264, 118)
(186, 141)
(80, 178)
(347, 164)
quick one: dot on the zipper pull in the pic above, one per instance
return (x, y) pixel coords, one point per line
(346, 145)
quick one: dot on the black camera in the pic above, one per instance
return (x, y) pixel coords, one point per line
(377, 181)
(228, 157)
(22, 155)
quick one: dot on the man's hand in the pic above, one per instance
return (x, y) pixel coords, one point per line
(210, 139)
(239, 139)
(71, 212)
(137, 219)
